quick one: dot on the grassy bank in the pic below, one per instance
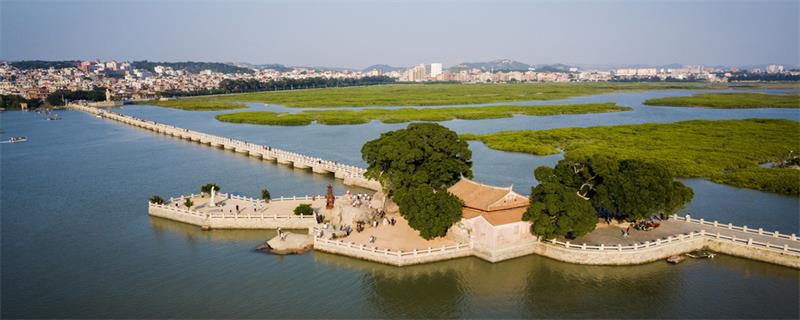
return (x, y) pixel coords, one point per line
(196, 104)
(726, 152)
(730, 100)
(438, 94)
(340, 117)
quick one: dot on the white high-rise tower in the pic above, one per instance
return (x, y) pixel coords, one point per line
(436, 69)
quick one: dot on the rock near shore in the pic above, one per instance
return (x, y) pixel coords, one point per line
(293, 243)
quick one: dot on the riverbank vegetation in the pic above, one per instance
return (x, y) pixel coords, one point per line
(730, 100)
(727, 152)
(341, 117)
(442, 94)
(13, 102)
(197, 104)
(60, 97)
(229, 86)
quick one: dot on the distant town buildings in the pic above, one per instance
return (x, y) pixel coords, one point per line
(126, 82)
(773, 68)
(417, 73)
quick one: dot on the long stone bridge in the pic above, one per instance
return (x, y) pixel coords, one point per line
(351, 175)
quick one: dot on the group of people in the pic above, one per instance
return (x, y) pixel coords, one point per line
(358, 199)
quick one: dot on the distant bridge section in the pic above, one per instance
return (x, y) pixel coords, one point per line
(351, 175)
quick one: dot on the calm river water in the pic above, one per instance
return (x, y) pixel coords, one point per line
(77, 241)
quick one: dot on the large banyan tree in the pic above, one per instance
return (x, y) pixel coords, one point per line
(570, 196)
(415, 166)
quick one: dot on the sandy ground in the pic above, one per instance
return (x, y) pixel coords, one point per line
(398, 237)
(612, 234)
(228, 206)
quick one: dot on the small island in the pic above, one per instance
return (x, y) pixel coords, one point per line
(344, 117)
(730, 100)
(195, 104)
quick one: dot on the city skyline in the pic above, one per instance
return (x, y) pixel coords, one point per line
(355, 34)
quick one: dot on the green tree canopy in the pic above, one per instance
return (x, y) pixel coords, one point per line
(57, 98)
(639, 190)
(206, 188)
(188, 203)
(415, 166)
(157, 199)
(629, 189)
(556, 210)
(265, 195)
(304, 209)
(429, 211)
(422, 154)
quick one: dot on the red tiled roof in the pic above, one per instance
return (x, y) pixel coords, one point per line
(496, 204)
(485, 197)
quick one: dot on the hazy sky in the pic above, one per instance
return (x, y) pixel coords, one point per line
(360, 33)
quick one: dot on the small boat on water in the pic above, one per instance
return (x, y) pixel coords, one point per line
(54, 117)
(15, 140)
(676, 259)
(700, 254)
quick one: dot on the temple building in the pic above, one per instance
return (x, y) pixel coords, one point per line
(492, 216)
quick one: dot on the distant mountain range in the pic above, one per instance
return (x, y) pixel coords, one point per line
(192, 66)
(496, 65)
(558, 67)
(273, 66)
(384, 68)
(509, 65)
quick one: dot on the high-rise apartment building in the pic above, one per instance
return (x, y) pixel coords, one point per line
(436, 69)
(417, 73)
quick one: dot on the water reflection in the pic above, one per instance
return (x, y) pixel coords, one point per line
(538, 287)
(193, 233)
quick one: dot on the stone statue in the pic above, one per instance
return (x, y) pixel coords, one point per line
(211, 202)
(329, 198)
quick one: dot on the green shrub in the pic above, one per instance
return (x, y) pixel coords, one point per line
(156, 199)
(304, 209)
